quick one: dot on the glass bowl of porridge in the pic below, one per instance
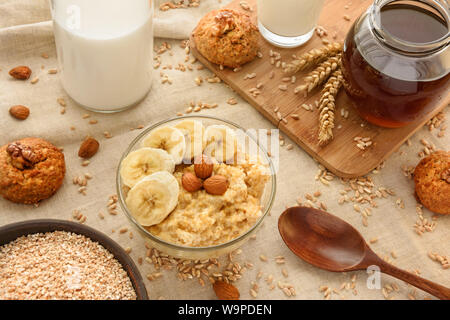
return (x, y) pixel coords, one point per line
(197, 187)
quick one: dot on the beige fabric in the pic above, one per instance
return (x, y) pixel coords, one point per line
(23, 44)
(17, 12)
(174, 24)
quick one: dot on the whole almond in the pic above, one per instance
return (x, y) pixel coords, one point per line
(216, 185)
(203, 166)
(19, 112)
(88, 148)
(20, 73)
(226, 291)
(190, 182)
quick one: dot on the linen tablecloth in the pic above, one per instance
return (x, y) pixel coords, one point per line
(26, 34)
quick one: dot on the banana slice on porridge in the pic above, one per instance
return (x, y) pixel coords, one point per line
(153, 198)
(143, 162)
(169, 139)
(193, 131)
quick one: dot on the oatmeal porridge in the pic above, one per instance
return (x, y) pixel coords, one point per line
(201, 219)
(194, 186)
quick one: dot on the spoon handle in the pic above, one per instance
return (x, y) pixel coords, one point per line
(435, 289)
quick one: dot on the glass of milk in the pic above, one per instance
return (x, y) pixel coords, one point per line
(288, 23)
(105, 51)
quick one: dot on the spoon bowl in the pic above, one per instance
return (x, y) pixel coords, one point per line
(322, 239)
(330, 243)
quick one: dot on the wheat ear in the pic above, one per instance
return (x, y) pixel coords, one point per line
(319, 75)
(327, 107)
(312, 58)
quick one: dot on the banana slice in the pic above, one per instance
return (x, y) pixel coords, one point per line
(143, 162)
(153, 198)
(169, 139)
(193, 131)
(220, 143)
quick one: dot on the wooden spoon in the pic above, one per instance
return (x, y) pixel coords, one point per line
(330, 243)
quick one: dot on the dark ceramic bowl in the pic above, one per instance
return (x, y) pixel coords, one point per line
(13, 231)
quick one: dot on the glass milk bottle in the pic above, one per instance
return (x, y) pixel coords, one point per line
(288, 23)
(105, 51)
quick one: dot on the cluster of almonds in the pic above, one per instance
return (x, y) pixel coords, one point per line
(203, 168)
(327, 73)
(88, 148)
(20, 73)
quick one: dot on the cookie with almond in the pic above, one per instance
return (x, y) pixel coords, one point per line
(31, 169)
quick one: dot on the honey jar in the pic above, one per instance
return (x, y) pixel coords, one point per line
(396, 61)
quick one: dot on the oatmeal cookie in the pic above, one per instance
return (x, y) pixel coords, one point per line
(227, 37)
(432, 179)
(31, 170)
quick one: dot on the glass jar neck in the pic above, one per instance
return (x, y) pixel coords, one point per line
(440, 7)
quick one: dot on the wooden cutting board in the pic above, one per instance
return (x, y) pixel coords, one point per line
(341, 156)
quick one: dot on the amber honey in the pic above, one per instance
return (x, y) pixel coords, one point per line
(392, 86)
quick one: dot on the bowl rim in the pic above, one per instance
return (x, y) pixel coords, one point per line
(13, 231)
(181, 247)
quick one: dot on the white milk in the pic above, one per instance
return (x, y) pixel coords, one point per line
(289, 18)
(105, 50)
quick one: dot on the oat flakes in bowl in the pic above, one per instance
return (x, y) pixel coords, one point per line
(223, 184)
(48, 259)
